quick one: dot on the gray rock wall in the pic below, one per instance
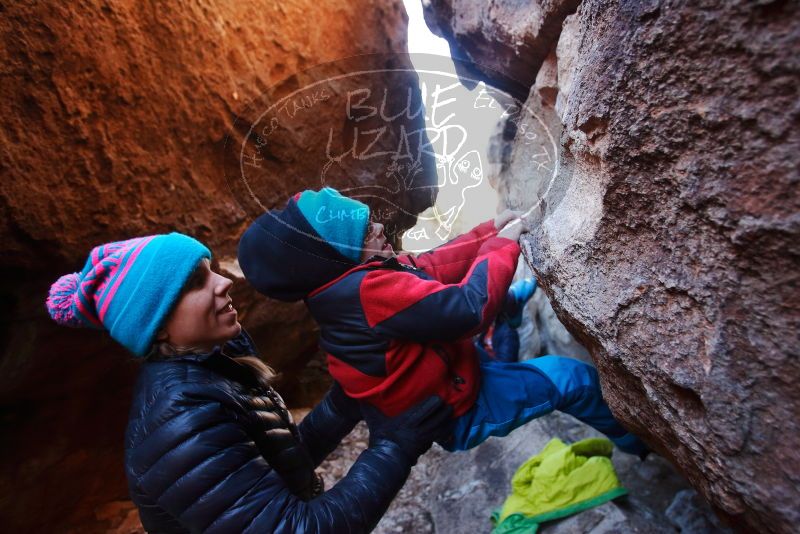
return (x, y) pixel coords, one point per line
(667, 229)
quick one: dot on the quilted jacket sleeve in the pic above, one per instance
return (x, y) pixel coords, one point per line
(323, 429)
(196, 463)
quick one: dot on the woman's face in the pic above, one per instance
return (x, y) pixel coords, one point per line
(204, 316)
(375, 243)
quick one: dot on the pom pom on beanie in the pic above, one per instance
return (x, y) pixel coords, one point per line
(61, 301)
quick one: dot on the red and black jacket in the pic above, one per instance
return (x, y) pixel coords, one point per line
(399, 330)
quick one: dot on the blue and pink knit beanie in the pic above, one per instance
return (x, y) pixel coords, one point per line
(319, 235)
(128, 287)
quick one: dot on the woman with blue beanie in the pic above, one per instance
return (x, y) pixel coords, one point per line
(210, 446)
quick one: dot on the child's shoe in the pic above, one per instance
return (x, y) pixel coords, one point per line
(519, 293)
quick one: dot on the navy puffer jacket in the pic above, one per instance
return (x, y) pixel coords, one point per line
(192, 464)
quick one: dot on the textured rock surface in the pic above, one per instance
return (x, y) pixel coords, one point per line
(690, 514)
(114, 120)
(113, 112)
(668, 243)
(507, 41)
(454, 493)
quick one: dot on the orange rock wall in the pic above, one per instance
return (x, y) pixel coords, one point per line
(114, 116)
(114, 113)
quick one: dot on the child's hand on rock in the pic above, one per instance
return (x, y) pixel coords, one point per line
(505, 217)
(513, 230)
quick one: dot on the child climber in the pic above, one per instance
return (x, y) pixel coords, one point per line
(399, 328)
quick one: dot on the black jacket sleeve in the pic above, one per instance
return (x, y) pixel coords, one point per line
(198, 464)
(323, 429)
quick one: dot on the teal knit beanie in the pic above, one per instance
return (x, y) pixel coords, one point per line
(341, 221)
(128, 287)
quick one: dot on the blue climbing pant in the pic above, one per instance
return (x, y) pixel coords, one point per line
(511, 394)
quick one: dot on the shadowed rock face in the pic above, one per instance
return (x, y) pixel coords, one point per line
(507, 40)
(670, 245)
(114, 124)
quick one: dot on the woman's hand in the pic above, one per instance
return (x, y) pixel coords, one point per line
(414, 430)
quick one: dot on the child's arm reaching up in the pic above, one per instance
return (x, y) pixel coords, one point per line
(450, 262)
(401, 305)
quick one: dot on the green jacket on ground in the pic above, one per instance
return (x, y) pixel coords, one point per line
(559, 481)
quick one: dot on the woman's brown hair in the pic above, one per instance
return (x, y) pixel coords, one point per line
(260, 371)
